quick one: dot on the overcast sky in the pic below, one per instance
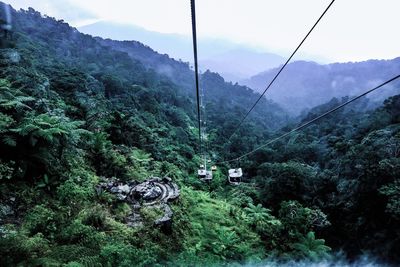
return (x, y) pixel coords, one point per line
(353, 30)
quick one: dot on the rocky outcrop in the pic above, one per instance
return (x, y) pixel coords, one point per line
(152, 193)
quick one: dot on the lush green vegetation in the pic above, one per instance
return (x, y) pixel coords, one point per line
(75, 110)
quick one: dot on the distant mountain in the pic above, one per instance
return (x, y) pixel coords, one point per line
(303, 85)
(233, 61)
(238, 64)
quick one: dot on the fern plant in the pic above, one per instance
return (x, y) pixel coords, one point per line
(312, 248)
(260, 218)
(11, 98)
(12, 102)
(49, 128)
(6, 122)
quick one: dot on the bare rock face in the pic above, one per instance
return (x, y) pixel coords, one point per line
(154, 192)
(147, 191)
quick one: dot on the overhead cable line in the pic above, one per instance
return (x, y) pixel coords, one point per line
(281, 69)
(313, 120)
(204, 120)
(196, 69)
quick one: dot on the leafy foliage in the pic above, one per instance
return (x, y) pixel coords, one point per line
(76, 109)
(312, 248)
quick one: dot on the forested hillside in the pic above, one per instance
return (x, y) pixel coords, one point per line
(79, 113)
(304, 85)
(225, 57)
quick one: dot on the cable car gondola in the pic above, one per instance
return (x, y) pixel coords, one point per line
(203, 174)
(235, 176)
(213, 168)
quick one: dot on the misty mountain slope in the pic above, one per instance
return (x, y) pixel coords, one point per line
(216, 89)
(177, 71)
(307, 84)
(232, 61)
(178, 46)
(238, 64)
(122, 64)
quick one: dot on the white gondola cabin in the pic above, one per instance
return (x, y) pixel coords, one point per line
(213, 168)
(204, 174)
(235, 176)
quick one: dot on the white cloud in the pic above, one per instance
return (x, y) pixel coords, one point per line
(351, 30)
(60, 9)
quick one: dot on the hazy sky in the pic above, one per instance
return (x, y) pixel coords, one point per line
(352, 30)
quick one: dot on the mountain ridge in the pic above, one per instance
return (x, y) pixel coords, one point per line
(213, 53)
(307, 84)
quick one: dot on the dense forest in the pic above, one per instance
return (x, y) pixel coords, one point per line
(78, 112)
